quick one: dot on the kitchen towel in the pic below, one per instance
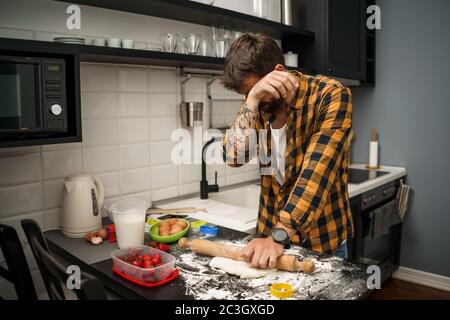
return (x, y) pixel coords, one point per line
(383, 219)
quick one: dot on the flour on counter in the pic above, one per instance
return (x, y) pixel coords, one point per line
(333, 278)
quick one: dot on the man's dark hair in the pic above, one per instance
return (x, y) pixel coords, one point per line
(250, 54)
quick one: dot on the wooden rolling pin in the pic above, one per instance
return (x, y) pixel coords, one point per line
(216, 249)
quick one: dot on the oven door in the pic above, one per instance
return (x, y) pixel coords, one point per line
(20, 95)
(375, 243)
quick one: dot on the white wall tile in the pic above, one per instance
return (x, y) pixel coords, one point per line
(61, 146)
(133, 130)
(59, 164)
(165, 193)
(15, 222)
(162, 128)
(161, 152)
(135, 180)
(52, 219)
(132, 105)
(162, 81)
(16, 33)
(20, 199)
(99, 132)
(236, 178)
(111, 183)
(20, 169)
(190, 173)
(100, 159)
(163, 104)
(188, 188)
(164, 176)
(96, 77)
(141, 195)
(53, 191)
(134, 156)
(132, 79)
(96, 105)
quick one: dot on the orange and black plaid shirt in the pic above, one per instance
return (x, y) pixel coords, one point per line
(313, 198)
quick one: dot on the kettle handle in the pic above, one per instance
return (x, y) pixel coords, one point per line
(101, 191)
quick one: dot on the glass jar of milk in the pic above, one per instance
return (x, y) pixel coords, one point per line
(129, 221)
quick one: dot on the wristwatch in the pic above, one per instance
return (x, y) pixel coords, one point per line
(280, 236)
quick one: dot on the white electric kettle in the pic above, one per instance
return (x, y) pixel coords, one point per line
(83, 197)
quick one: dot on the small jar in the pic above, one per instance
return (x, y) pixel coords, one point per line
(207, 232)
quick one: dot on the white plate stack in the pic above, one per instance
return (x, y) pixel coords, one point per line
(70, 40)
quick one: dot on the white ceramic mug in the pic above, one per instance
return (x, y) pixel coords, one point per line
(98, 42)
(128, 44)
(114, 43)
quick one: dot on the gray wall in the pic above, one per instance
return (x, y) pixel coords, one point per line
(410, 107)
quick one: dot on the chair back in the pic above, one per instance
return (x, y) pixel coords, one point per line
(18, 272)
(33, 232)
(89, 287)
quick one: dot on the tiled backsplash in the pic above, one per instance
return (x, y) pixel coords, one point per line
(128, 115)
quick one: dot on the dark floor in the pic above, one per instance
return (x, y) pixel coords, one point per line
(394, 289)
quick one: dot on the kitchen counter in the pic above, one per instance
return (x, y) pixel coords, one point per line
(393, 173)
(246, 196)
(334, 278)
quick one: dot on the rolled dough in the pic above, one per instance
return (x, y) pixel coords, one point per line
(239, 268)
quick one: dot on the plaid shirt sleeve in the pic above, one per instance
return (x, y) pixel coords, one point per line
(321, 161)
(240, 140)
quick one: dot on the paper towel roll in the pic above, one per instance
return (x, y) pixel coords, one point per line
(373, 154)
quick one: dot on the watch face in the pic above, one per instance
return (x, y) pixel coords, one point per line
(279, 235)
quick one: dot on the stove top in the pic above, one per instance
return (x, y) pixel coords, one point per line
(358, 176)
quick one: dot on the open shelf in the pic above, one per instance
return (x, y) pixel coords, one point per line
(199, 13)
(90, 53)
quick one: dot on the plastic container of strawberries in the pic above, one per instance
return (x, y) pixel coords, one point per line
(143, 275)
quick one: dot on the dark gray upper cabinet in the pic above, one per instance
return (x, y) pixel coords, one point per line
(340, 45)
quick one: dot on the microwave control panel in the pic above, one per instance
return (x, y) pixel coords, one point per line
(54, 95)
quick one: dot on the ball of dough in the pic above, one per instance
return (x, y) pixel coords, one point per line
(173, 221)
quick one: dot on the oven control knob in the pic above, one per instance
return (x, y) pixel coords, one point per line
(55, 109)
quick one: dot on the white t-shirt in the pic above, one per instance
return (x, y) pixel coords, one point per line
(278, 137)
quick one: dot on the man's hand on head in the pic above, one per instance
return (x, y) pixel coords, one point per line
(275, 85)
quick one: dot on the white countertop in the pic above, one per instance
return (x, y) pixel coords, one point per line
(394, 173)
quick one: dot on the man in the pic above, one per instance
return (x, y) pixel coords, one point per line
(308, 121)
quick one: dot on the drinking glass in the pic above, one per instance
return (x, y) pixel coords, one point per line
(169, 42)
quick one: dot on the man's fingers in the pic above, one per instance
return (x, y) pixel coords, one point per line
(271, 90)
(287, 75)
(273, 261)
(256, 258)
(247, 252)
(263, 261)
(279, 86)
(285, 80)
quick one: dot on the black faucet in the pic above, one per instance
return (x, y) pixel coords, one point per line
(206, 188)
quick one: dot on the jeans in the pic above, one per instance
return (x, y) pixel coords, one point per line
(342, 250)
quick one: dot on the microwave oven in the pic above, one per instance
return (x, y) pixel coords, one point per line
(33, 96)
